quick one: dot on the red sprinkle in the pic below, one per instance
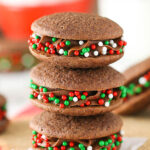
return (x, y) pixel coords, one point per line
(101, 101)
(93, 46)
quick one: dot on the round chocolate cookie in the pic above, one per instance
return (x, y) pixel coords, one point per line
(77, 92)
(3, 118)
(57, 131)
(138, 89)
(76, 40)
(15, 56)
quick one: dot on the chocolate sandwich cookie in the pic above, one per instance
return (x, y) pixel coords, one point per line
(77, 40)
(54, 131)
(77, 92)
(3, 118)
(138, 89)
(15, 56)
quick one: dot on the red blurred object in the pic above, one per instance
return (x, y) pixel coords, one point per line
(15, 21)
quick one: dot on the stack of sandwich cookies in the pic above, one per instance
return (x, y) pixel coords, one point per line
(137, 87)
(3, 118)
(73, 84)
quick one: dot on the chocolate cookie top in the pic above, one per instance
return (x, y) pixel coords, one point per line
(53, 77)
(77, 26)
(137, 70)
(68, 127)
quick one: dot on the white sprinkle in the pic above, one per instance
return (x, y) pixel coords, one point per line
(114, 45)
(107, 104)
(75, 99)
(104, 50)
(142, 80)
(122, 38)
(33, 35)
(86, 54)
(39, 97)
(96, 53)
(111, 42)
(61, 51)
(122, 132)
(43, 137)
(110, 96)
(89, 148)
(100, 43)
(81, 42)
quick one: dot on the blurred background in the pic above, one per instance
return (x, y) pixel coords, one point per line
(16, 17)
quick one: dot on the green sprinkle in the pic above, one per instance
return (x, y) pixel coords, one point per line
(106, 143)
(147, 84)
(54, 39)
(138, 90)
(4, 107)
(46, 48)
(80, 146)
(53, 98)
(83, 97)
(83, 148)
(37, 37)
(109, 141)
(34, 46)
(57, 101)
(50, 99)
(104, 148)
(131, 85)
(130, 91)
(102, 95)
(33, 142)
(122, 87)
(66, 103)
(68, 43)
(31, 96)
(87, 49)
(121, 50)
(72, 148)
(34, 86)
(81, 53)
(65, 53)
(113, 145)
(64, 143)
(101, 143)
(116, 135)
(70, 98)
(35, 137)
(117, 143)
(106, 42)
(40, 87)
(34, 132)
(45, 89)
(50, 148)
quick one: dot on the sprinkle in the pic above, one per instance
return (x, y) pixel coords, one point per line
(54, 39)
(96, 53)
(110, 96)
(89, 148)
(61, 51)
(114, 45)
(122, 133)
(100, 43)
(65, 53)
(111, 42)
(142, 80)
(75, 99)
(86, 54)
(122, 38)
(39, 97)
(104, 50)
(67, 43)
(81, 42)
(107, 104)
(43, 136)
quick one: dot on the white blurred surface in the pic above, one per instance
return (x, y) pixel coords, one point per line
(134, 17)
(15, 88)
